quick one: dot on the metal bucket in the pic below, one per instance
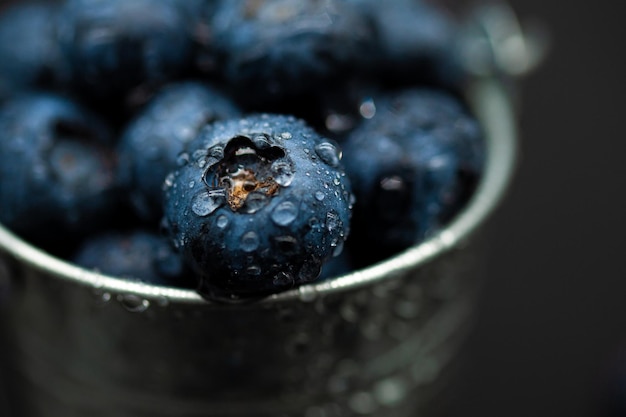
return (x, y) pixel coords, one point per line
(375, 342)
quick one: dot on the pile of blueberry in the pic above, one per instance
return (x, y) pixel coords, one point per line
(239, 147)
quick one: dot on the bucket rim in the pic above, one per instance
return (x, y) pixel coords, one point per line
(491, 105)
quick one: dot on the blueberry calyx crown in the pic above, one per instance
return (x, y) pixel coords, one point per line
(244, 172)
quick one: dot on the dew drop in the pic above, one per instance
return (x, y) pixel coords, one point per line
(390, 391)
(284, 213)
(307, 294)
(182, 159)
(222, 221)
(339, 123)
(283, 279)
(337, 246)
(286, 135)
(362, 403)
(332, 221)
(192, 184)
(169, 181)
(328, 153)
(367, 109)
(133, 303)
(254, 270)
(310, 270)
(319, 195)
(261, 141)
(204, 203)
(254, 202)
(283, 173)
(249, 241)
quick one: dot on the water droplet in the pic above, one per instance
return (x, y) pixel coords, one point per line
(319, 195)
(283, 279)
(254, 270)
(286, 135)
(390, 391)
(328, 153)
(169, 181)
(307, 294)
(204, 203)
(249, 241)
(337, 246)
(310, 270)
(133, 303)
(339, 123)
(261, 141)
(349, 313)
(367, 109)
(336, 181)
(284, 213)
(406, 309)
(332, 221)
(222, 221)
(283, 173)
(162, 301)
(362, 403)
(199, 155)
(254, 202)
(192, 184)
(425, 371)
(182, 159)
(287, 244)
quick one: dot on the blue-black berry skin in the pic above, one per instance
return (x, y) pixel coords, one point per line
(152, 142)
(413, 165)
(29, 54)
(416, 43)
(138, 255)
(272, 49)
(115, 46)
(259, 206)
(57, 169)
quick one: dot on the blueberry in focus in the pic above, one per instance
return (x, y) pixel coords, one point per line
(151, 143)
(413, 166)
(276, 49)
(29, 54)
(57, 169)
(115, 46)
(136, 255)
(260, 205)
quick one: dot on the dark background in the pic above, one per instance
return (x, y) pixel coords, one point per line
(551, 330)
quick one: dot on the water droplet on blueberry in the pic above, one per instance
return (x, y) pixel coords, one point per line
(328, 153)
(249, 241)
(283, 173)
(204, 203)
(284, 213)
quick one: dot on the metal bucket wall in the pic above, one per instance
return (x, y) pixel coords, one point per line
(375, 342)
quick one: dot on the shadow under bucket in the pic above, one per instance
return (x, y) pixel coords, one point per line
(375, 342)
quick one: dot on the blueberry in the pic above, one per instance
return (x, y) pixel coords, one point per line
(116, 46)
(29, 55)
(413, 165)
(260, 205)
(151, 143)
(136, 255)
(337, 266)
(416, 43)
(57, 169)
(272, 49)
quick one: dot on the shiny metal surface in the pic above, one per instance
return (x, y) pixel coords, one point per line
(374, 342)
